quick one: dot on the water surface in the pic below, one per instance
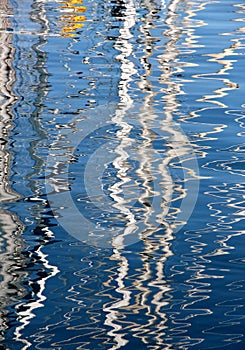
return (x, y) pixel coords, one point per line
(122, 174)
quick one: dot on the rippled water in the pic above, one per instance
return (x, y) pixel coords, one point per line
(122, 174)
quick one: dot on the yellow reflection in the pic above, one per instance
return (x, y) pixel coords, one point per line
(72, 19)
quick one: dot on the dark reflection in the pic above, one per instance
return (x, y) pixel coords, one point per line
(10, 225)
(7, 100)
(118, 9)
(25, 268)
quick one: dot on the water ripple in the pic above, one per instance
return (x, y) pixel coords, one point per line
(159, 84)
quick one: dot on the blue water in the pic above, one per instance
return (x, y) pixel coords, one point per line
(122, 174)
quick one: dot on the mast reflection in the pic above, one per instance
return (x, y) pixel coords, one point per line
(138, 297)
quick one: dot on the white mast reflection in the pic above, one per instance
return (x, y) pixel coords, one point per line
(150, 163)
(123, 45)
(126, 103)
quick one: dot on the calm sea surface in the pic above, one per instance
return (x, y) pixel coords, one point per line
(122, 174)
